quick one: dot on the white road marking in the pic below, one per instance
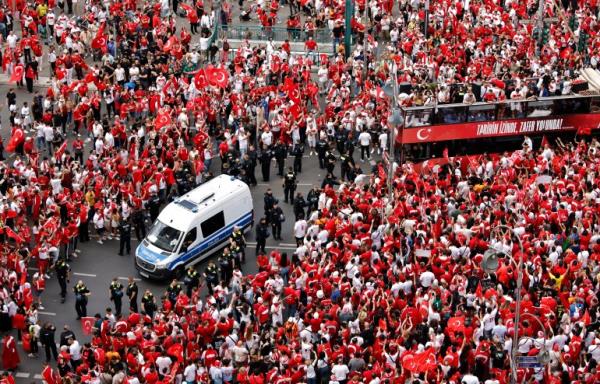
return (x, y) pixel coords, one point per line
(47, 313)
(37, 376)
(22, 375)
(127, 279)
(84, 274)
(305, 184)
(288, 245)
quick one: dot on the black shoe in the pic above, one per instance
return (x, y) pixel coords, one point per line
(120, 254)
(78, 318)
(62, 301)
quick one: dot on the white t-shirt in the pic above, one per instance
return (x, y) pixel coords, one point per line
(426, 279)
(75, 350)
(340, 371)
(267, 138)
(364, 138)
(190, 373)
(300, 228)
(163, 363)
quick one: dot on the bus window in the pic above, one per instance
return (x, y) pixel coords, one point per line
(450, 115)
(419, 117)
(539, 108)
(595, 104)
(212, 224)
(482, 112)
(571, 105)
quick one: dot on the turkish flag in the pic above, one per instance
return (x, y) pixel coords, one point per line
(87, 323)
(218, 77)
(200, 79)
(17, 138)
(60, 73)
(420, 362)
(586, 318)
(99, 42)
(188, 8)
(61, 150)
(13, 235)
(162, 120)
(17, 74)
(456, 324)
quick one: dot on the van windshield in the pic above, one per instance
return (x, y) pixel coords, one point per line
(164, 237)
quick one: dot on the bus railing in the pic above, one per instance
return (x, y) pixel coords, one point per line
(439, 114)
(257, 32)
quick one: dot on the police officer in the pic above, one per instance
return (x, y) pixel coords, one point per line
(81, 299)
(312, 200)
(236, 252)
(265, 163)
(116, 295)
(298, 152)
(237, 236)
(346, 165)
(137, 216)
(62, 273)
(330, 160)
(299, 204)
(276, 219)
(132, 294)
(280, 155)
(191, 280)
(269, 200)
(212, 277)
(225, 265)
(149, 303)
(154, 206)
(249, 166)
(322, 148)
(173, 291)
(124, 236)
(262, 233)
(289, 185)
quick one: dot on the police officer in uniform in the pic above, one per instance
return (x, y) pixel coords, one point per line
(313, 200)
(262, 233)
(62, 273)
(212, 277)
(124, 237)
(137, 216)
(236, 252)
(226, 265)
(330, 160)
(149, 303)
(299, 204)
(298, 152)
(289, 185)
(154, 206)
(249, 165)
(132, 294)
(276, 220)
(269, 200)
(280, 155)
(237, 236)
(191, 280)
(116, 295)
(265, 163)
(346, 165)
(322, 148)
(81, 299)
(173, 291)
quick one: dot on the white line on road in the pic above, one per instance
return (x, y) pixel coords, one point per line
(288, 245)
(22, 375)
(37, 376)
(305, 184)
(47, 313)
(84, 274)
(127, 278)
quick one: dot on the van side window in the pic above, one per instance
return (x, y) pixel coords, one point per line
(212, 224)
(190, 237)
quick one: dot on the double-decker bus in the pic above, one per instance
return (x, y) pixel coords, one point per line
(470, 129)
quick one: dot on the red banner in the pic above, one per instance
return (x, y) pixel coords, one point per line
(532, 126)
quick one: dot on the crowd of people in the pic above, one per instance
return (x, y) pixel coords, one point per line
(383, 287)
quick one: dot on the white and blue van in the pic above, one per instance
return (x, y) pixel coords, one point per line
(194, 226)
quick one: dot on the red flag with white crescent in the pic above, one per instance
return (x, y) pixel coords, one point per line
(87, 324)
(200, 79)
(17, 74)
(162, 120)
(61, 150)
(17, 138)
(218, 77)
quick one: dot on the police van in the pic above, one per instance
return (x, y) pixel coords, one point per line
(194, 226)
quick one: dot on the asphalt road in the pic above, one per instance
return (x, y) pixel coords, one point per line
(98, 264)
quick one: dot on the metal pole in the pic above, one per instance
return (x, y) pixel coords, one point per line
(540, 23)
(393, 127)
(515, 342)
(365, 43)
(426, 18)
(347, 28)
